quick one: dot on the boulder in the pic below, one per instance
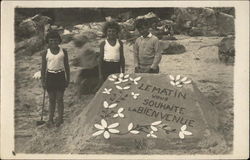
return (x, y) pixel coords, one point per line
(146, 113)
(172, 48)
(203, 21)
(227, 50)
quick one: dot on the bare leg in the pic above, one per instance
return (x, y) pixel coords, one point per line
(60, 106)
(52, 106)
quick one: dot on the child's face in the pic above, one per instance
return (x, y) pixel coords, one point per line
(143, 30)
(111, 33)
(53, 42)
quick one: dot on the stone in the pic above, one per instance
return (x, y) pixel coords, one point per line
(137, 112)
(172, 48)
(226, 51)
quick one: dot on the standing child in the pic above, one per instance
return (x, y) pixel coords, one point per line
(147, 55)
(111, 59)
(54, 66)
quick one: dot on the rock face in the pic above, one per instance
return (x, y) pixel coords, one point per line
(227, 50)
(145, 111)
(203, 21)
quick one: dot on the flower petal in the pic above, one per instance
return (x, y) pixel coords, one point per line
(135, 82)
(98, 126)
(184, 79)
(104, 123)
(118, 82)
(187, 82)
(113, 105)
(127, 87)
(153, 135)
(114, 131)
(171, 77)
(172, 82)
(131, 79)
(148, 135)
(187, 133)
(121, 115)
(98, 133)
(125, 80)
(135, 97)
(120, 110)
(134, 132)
(178, 77)
(105, 104)
(177, 82)
(115, 115)
(132, 93)
(106, 135)
(121, 75)
(114, 76)
(154, 128)
(130, 126)
(181, 135)
(113, 125)
(156, 123)
(184, 127)
(137, 79)
(118, 87)
(111, 79)
(110, 89)
(126, 76)
(179, 85)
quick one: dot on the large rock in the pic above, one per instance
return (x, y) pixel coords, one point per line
(203, 21)
(143, 113)
(171, 47)
(227, 50)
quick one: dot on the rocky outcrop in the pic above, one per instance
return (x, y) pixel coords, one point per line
(227, 50)
(203, 22)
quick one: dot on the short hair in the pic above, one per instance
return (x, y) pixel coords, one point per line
(141, 23)
(53, 34)
(111, 24)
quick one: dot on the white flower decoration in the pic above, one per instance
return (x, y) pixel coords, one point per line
(183, 132)
(135, 80)
(105, 129)
(122, 88)
(37, 75)
(152, 126)
(178, 81)
(151, 134)
(119, 79)
(106, 105)
(135, 95)
(119, 113)
(130, 126)
(107, 91)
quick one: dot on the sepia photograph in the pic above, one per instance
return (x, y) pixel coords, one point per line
(139, 79)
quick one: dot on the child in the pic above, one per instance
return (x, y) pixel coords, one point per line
(147, 55)
(54, 66)
(111, 59)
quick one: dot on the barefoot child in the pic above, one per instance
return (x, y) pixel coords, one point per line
(147, 55)
(54, 66)
(111, 59)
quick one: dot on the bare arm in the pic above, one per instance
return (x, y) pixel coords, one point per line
(122, 57)
(157, 58)
(100, 60)
(66, 66)
(43, 68)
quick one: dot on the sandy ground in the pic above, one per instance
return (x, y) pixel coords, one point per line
(213, 78)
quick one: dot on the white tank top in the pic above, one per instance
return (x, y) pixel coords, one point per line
(112, 53)
(55, 62)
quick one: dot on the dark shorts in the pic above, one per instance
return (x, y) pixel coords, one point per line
(110, 68)
(55, 81)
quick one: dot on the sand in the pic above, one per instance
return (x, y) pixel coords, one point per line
(213, 78)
